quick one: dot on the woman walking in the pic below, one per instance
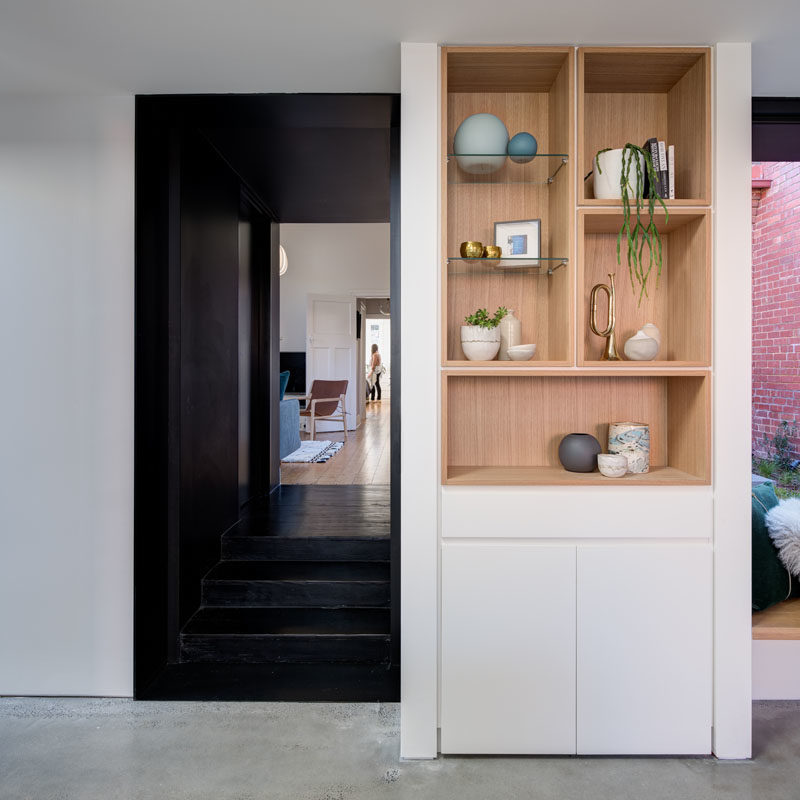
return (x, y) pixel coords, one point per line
(375, 372)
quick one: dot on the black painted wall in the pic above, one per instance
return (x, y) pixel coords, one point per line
(189, 205)
(198, 178)
(209, 355)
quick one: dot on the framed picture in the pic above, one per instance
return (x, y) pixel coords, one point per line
(519, 239)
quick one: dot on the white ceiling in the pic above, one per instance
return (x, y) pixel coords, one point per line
(187, 46)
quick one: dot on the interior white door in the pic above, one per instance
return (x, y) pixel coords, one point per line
(331, 348)
(644, 649)
(508, 648)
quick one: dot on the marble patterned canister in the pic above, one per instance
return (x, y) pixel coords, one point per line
(632, 440)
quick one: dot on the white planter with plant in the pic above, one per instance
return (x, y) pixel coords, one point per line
(621, 174)
(480, 337)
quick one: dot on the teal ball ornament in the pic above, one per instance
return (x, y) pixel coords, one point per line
(480, 144)
(522, 148)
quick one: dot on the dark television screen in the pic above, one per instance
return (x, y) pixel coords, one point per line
(296, 364)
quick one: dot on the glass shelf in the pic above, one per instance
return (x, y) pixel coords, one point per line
(542, 170)
(540, 266)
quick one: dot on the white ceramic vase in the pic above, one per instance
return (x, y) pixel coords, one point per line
(479, 344)
(510, 335)
(632, 440)
(608, 175)
(641, 348)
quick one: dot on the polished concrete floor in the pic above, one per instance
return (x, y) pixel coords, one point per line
(118, 749)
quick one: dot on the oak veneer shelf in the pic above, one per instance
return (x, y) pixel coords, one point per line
(619, 369)
(529, 89)
(556, 476)
(678, 303)
(502, 421)
(512, 420)
(629, 94)
(782, 621)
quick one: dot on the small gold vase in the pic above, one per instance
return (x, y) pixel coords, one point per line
(471, 249)
(492, 251)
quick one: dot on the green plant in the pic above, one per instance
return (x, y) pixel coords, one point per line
(766, 469)
(637, 234)
(778, 447)
(482, 319)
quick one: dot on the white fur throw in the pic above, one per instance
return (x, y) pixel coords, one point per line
(783, 524)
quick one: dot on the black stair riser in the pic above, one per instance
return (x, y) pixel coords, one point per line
(257, 548)
(295, 593)
(260, 649)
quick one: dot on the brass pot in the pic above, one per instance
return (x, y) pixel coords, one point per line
(492, 251)
(471, 249)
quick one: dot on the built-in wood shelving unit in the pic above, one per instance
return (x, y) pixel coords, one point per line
(501, 420)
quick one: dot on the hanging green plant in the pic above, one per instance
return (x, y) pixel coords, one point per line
(638, 235)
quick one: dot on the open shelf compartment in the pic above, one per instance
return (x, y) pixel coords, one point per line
(679, 303)
(529, 89)
(630, 94)
(505, 429)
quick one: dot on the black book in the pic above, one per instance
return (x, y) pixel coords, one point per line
(651, 147)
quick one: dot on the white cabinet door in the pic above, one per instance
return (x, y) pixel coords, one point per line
(331, 349)
(644, 649)
(508, 648)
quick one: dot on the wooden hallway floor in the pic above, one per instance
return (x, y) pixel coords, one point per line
(364, 460)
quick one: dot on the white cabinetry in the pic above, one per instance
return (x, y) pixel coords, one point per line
(644, 649)
(508, 648)
(588, 648)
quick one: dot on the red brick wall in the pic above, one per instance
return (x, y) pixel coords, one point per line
(776, 299)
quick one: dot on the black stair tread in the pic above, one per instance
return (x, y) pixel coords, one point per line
(287, 548)
(324, 571)
(237, 621)
(332, 682)
(313, 526)
(326, 496)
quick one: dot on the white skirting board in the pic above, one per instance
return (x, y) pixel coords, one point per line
(776, 670)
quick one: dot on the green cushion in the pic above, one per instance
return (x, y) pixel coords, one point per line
(284, 383)
(771, 580)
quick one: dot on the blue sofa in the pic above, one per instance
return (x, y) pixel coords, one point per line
(289, 426)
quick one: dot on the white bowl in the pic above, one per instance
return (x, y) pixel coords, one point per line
(612, 466)
(521, 352)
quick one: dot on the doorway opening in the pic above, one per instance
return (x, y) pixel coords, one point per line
(250, 586)
(776, 393)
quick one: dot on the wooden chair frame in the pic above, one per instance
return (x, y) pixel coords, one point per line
(314, 418)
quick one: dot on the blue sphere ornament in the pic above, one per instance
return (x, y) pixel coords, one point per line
(480, 144)
(522, 148)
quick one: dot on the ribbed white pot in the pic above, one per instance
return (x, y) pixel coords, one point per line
(479, 344)
(608, 176)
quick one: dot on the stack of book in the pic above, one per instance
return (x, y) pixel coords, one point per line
(664, 165)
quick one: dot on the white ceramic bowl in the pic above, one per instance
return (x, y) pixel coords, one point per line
(612, 466)
(521, 352)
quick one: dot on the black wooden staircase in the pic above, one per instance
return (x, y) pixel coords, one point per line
(303, 580)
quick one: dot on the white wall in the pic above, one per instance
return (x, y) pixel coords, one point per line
(732, 399)
(419, 369)
(66, 408)
(329, 259)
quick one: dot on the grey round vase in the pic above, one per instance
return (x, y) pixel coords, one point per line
(578, 452)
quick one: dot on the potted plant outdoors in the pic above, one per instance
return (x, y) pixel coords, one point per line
(620, 174)
(480, 337)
